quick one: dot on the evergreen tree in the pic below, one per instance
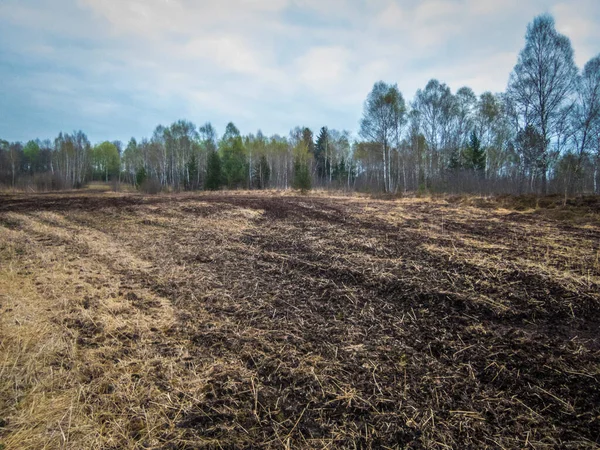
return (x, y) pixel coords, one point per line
(192, 170)
(474, 154)
(456, 160)
(321, 153)
(307, 138)
(301, 176)
(233, 157)
(213, 172)
(140, 176)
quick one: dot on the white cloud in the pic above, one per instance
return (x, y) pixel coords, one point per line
(322, 67)
(435, 9)
(489, 7)
(391, 16)
(152, 18)
(228, 52)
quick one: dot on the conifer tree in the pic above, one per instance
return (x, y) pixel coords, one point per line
(213, 172)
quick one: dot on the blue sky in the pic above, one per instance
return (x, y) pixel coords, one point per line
(118, 68)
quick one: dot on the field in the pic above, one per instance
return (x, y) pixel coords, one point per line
(243, 320)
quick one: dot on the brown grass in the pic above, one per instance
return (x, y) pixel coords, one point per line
(244, 320)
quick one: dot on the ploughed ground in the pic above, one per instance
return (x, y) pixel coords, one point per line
(243, 320)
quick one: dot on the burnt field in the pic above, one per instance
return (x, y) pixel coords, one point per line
(276, 321)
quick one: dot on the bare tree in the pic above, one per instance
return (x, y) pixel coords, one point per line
(437, 110)
(14, 152)
(383, 117)
(542, 83)
(586, 112)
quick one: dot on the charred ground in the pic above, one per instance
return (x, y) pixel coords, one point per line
(242, 320)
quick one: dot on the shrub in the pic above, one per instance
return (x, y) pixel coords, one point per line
(301, 177)
(140, 176)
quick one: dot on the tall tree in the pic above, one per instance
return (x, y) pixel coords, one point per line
(208, 135)
(213, 171)
(466, 101)
(72, 155)
(307, 138)
(131, 160)
(437, 109)
(31, 153)
(322, 154)
(261, 173)
(474, 156)
(542, 83)
(531, 147)
(192, 172)
(302, 157)
(383, 116)
(105, 160)
(233, 157)
(255, 149)
(586, 113)
(14, 156)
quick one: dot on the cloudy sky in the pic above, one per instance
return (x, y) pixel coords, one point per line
(117, 68)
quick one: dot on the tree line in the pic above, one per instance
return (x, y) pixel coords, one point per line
(541, 135)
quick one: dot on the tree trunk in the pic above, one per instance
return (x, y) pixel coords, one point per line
(385, 187)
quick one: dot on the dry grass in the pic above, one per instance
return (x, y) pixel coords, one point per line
(243, 320)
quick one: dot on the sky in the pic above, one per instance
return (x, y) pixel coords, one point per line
(117, 68)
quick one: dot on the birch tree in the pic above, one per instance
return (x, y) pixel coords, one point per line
(384, 114)
(543, 83)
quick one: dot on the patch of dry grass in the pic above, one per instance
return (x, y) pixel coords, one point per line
(38, 396)
(78, 345)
